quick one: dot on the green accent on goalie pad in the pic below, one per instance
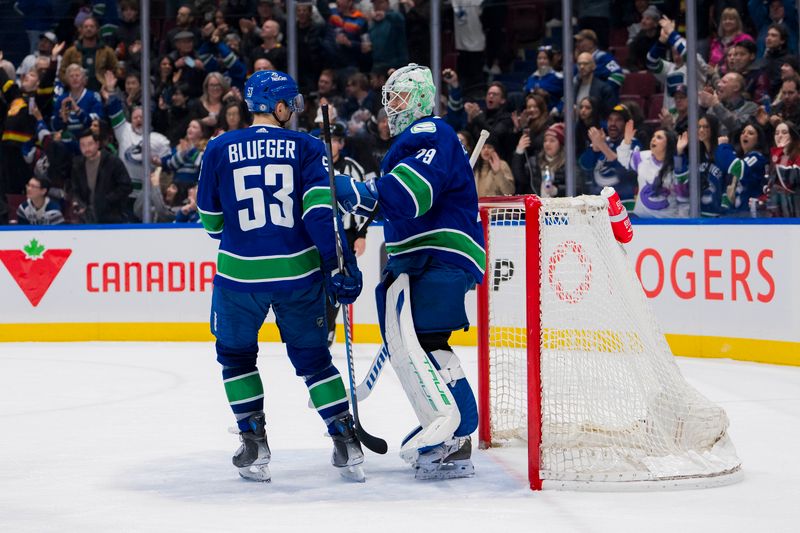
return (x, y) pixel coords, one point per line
(268, 268)
(327, 392)
(316, 197)
(244, 388)
(448, 240)
(417, 186)
(212, 222)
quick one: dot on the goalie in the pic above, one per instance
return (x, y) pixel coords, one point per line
(434, 241)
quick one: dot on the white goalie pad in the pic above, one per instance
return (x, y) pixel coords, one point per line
(426, 390)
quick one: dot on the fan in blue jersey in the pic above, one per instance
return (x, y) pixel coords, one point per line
(435, 245)
(264, 193)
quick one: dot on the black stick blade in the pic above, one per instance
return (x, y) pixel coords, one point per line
(372, 443)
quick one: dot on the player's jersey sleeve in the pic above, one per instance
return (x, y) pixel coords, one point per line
(208, 200)
(317, 211)
(411, 184)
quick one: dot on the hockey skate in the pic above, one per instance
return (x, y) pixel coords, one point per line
(347, 454)
(253, 456)
(448, 460)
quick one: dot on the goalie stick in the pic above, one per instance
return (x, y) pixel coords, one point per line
(376, 444)
(476, 152)
(379, 361)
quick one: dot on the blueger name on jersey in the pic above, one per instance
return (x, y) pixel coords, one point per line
(258, 149)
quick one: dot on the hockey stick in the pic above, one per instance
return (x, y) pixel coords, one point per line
(364, 388)
(478, 147)
(378, 362)
(376, 444)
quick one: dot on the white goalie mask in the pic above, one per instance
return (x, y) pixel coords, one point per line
(408, 95)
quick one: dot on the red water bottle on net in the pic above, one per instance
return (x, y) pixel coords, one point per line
(620, 222)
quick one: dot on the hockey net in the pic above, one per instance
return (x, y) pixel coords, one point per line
(573, 363)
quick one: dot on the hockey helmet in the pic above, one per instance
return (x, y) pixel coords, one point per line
(265, 88)
(408, 95)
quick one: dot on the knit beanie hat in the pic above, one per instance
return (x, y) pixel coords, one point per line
(557, 131)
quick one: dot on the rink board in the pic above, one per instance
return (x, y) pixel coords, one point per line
(718, 289)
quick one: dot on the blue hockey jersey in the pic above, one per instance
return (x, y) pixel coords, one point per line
(264, 192)
(429, 200)
(750, 171)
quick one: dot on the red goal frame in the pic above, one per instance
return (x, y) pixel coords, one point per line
(532, 206)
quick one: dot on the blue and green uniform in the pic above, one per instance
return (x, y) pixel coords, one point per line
(428, 198)
(264, 193)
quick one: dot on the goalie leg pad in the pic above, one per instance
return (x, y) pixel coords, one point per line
(450, 369)
(429, 395)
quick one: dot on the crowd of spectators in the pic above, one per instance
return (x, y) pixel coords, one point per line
(71, 147)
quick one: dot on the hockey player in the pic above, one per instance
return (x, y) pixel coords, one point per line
(434, 242)
(264, 192)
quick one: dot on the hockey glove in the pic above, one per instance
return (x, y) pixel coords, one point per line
(343, 287)
(357, 197)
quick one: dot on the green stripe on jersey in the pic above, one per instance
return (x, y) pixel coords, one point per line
(419, 188)
(316, 197)
(447, 240)
(327, 392)
(212, 222)
(274, 268)
(117, 118)
(244, 388)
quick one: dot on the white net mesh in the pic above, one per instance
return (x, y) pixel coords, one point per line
(614, 405)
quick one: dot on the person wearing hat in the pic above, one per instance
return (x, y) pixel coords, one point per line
(644, 40)
(184, 21)
(547, 170)
(91, 53)
(679, 120)
(188, 63)
(606, 67)
(600, 158)
(44, 48)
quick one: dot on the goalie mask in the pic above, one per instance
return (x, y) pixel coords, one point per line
(408, 95)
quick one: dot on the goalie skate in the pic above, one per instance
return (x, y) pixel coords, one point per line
(347, 454)
(253, 456)
(448, 460)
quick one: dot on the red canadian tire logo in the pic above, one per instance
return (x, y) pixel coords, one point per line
(574, 250)
(34, 268)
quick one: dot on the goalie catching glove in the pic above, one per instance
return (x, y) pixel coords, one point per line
(357, 197)
(343, 287)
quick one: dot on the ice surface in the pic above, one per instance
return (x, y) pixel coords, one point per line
(133, 437)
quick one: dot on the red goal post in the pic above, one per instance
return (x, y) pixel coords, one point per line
(531, 205)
